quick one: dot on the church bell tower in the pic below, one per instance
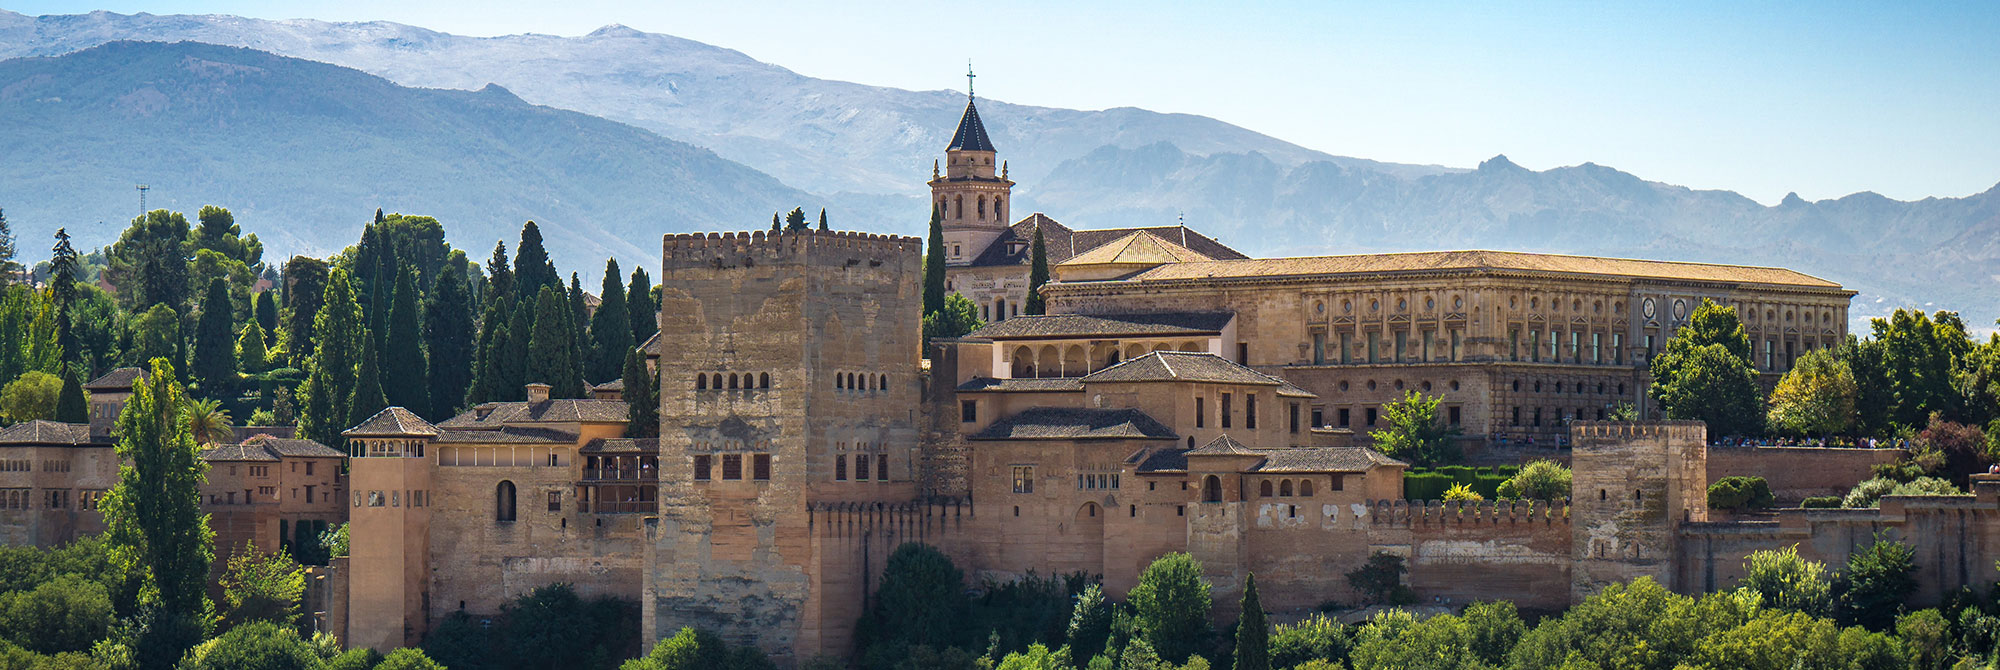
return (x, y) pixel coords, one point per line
(968, 196)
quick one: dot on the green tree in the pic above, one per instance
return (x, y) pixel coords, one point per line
(266, 312)
(367, 398)
(552, 628)
(63, 277)
(489, 374)
(934, 266)
(156, 333)
(405, 373)
(499, 272)
(1415, 434)
(218, 232)
(1740, 493)
(153, 516)
(1927, 636)
(251, 357)
(1038, 274)
(1815, 398)
(532, 269)
(822, 219)
(327, 396)
(642, 397)
(66, 613)
(645, 308)
(1874, 400)
(1788, 582)
(72, 403)
(1496, 627)
(610, 328)
(408, 659)
(1878, 580)
(1541, 479)
(1709, 384)
(775, 225)
(149, 262)
(795, 219)
(921, 601)
(33, 395)
(305, 283)
(692, 649)
(262, 586)
(1315, 638)
(514, 363)
(552, 346)
(10, 270)
(260, 645)
(1920, 355)
(578, 318)
(214, 343)
(958, 317)
(208, 422)
(1089, 625)
(1171, 605)
(1398, 640)
(1380, 579)
(449, 337)
(1253, 634)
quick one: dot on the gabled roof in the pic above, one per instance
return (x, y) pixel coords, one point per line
(1045, 385)
(393, 422)
(1139, 248)
(121, 379)
(1056, 326)
(971, 135)
(1165, 460)
(238, 452)
(652, 345)
(566, 410)
(1076, 423)
(1323, 459)
(508, 435)
(44, 432)
(622, 445)
(1187, 366)
(1062, 242)
(1224, 446)
(1478, 260)
(613, 385)
(293, 448)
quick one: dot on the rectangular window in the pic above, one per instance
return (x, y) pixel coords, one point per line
(840, 468)
(1425, 340)
(555, 501)
(1024, 479)
(1535, 346)
(732, 466)
(1597, 348)
(1617, 348)
(1294, 419)
(1226, 407)
(1401, 338)
(1346, 347)
(1319, 417)
(861, 467)
(1345, 419)
(1649, 345)
(1517, 416)
(1242, 353)
(881, 467)
(1319, 348)
(1370, 416)
(1555, 344)
(1452, 412)
(1514, 345)
(1200, 413)
(701, 467)
(760, 466)
(1575, 346)
(1455, 352)
(1538, 417)
(1339, 482)
(1769, 348)
(1374, 346)
(1789, 348)
(968, 411)
(1250, 411)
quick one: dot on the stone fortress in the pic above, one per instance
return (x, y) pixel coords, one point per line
(1178, 397)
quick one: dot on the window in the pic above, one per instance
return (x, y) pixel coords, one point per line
(1455, 351)
(1250, 411)
(1514, 345)
(1452, 412)
(1242, 353)
(1024, 481)
(1264, 489)
(732, 466)
(1346, 417)
(1293, 422)
(1370, 416)
(1338, 483)
(1617, 348)
(763, 380)
(760, 467)
(1345, 346)
(1319, 348)
(968, 411)
(1211, 489)
(309, 467)
(1596, 348)
(1226, 409)
(1285, 489)
(861, 467)
(1535, 346)
(555, 501)
(1319, 417)
(881, 467)
(1402, 338)
(1200, 413)
(1374, 346)
(1517, 416)
(840, 468)
(1305, 488)
(701, 467)
(503, 501)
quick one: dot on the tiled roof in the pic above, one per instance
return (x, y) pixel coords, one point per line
(1182, 366)
(1224, 446)
(652, 345)
(1022, 385)
(393, 421)
(294, 448)
(1062, 242)
(1139, 248)
(613, 385)
(1434, 261)
(44, 432)
(508, 435)
(568, 410)
(121, 379)
(1288, 390)
(1074, 423)
(238, 452)
(1323, 459)
(1104, 325)
(622, 445)
(1165, 460)
(971, 135)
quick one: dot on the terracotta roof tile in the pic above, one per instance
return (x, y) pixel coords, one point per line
(569, 410)
(1075, 423)
(44, 432)
(1477, 260)
(1165, 460)
(1052, 384)
(1104, 325)
(1139, 248)
(622, 445)
(238, 452)
(1182, 366)
(1063, 242)
(1323, 459)
(293, 448)
(508, 435)
(393, 421)
(121, 379)
(1224, 446)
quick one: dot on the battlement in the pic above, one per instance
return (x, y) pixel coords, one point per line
(731, 248)
(920, 517)
(1438, 513)
(1600, 432)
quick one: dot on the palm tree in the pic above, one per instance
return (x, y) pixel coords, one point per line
(209, 422)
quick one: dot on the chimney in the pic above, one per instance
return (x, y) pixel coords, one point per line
(538, 392)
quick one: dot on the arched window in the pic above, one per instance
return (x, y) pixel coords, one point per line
(852, 384)
(960, 201)
(1264, 488)
(1211, 489)
(1285, 489)
(885, 382)
(982, 207)
(503, 502)
(701, 382)
(1306, 488)
(732, 381)
(763, 380)
(715, 381)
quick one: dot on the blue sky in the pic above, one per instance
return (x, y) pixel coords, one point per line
(1821, 98)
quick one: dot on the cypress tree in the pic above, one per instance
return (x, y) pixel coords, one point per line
(775, 226)
(532, 269)
(71, 405)
(214, 342)
(405, 373)
(486, 375)
(550, 347)
(513, 364)
(642, 397)
(795, 219)
(1253, 637)
(578, 321)
(934, 265)
(378, 216)
(251, 357)
(154, 525)
(645, 311)
(822, 218)
(10, 270)
(367, 399)
(610, 328)
(267, 317)
(365, 261)
(1038, 274)
(498, 273)
(62, 290)
(326, 396)
(305, 293)
(382, 291)
(449, 338)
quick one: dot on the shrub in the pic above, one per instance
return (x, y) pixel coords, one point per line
(1739, 493)
(1426, 485)
(1866, 493)
(258, 644)
(1316, 638)
(1462, 493)
(1380, 580)
(68, 613)
(1926, 486)
(1899, 471)
(1170, 606)
(1821, 502)
(1539, 480)
(1877, 581)
(1788, 582)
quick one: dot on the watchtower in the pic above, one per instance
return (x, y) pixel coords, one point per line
(1632, 486)
(389, 529)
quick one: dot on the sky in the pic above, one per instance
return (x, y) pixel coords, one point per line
(1819, 98)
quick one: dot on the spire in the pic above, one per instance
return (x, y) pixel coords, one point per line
(971, 135)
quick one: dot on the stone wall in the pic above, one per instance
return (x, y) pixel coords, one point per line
(1460, 553)
(1632, 486)
(1797, 473)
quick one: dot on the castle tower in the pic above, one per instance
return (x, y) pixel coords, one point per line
(1632, 486)
(389, 529)
(791, 382)
(972, 201)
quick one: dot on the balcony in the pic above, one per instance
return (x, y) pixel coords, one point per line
(638, 474)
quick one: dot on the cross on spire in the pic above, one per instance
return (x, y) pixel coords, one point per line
(968, 78)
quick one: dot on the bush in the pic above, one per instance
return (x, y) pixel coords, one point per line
(1538, 480)
(69, 613)
(1462, 493)
(921, 601)
(1380, 580)
(1899, 471)
(1866, 493)
(1739, 493)
(692, 649)
(1788, 582)
(1926, 486)
(1878, 579)
(1426, 485)
(1821, 502)
(259, 644)
(1170, 607)
(1316, 638)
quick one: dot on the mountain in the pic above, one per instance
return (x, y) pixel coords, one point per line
(303, 152)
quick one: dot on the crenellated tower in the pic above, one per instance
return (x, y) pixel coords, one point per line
(970, 197)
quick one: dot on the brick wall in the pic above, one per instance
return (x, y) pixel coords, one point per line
(1796, 473)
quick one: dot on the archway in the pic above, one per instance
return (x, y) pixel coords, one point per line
(1024, 363)
(1086, 532)
(1211, 489)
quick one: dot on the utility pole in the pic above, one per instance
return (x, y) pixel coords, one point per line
(142, 199)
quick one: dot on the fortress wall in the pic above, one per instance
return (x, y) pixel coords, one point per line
(1797, 473)
(1465, 552)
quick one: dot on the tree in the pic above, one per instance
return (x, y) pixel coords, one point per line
(305, 291)
(934, 265)
(775, 226)
(692, 649)
(1315, 638)
(328, 393)
(645, 309)
(251, 357)
(1710, 384)
(63, 271)
(921, 601)
(1496, 627)
(266, 319)
(214, 343)
(262, 586)
(642, 397)
(958, 317)
(1541, 479)
(1398, 640)
(156, 333)
(260, 645)
(1740, 493)
(408, 659)
(153, 519)
(449, 337)
(1171, 605)
(489, 377)
(551, 347)
(1089, 625)
(149, 262)
(1380, 580)
(1415, 434)
(405, 373)
(610, 328)
(578, 318)
(218, 232)
(1038, 274)
(1959, 449)
(367, 398)
(514, 362)
(66, 613)
(1920, 355)
(796, 219)
(532, 269)
(72, 403)
(1253, 635)
(822, 218)
(1878, 580)
(1873, 399)
(10, 269)
(33, 395)
(499, 274)
(208, 422)
(380, 292)
(1788, 582)
(1815, 397)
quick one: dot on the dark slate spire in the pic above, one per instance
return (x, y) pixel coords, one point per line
(971, 135)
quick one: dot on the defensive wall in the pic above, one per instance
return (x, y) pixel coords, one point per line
(1797, 473)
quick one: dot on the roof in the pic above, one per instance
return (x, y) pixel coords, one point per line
(971, 135)
(238, 452)
(393, 421)
(1105, 325)
(613, 385)
(509, 435)
(1224, 446)
(622, 445)
(45, 432)
(1051, 384)
(652, 345)
(1183, 366)
(121, 379)
(286, 447)
(1076, 423)
(1165, 460)
(566, 410)
(1063, 243)
(1142, 247)
(1323, 459)
(1434, 261)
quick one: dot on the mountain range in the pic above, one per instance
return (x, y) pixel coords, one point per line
(864, 152)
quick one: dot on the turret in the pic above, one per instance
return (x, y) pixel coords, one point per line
(389, 529)
(970, 198)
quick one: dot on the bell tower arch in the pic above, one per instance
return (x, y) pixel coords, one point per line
(970, 193)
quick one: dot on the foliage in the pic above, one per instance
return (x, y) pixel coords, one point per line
(1462, 493)
(1739, 494)
(1820, 502)
(692, 649)
(405, 372)
(68, 613)
(260, 645)
(1919, 356)
(72, 402)
(1253, 633)
(1541, 479)
(408, 659)
(1788, 582)
(155, 334)
(1878, 580)
(551, 627)
(610, 329)
(959, 316)
(31, 396)
(326, 398)
(795, 219)
(305, 292)
(934, 279)
(1816, 397)
(450, 340)
(214, 365)
(208, 422)
(552, 347)
(532, 269)
(1037, 657)
(352, 659)
(1926, 635)
(1038, 274)
(1314, 638)
(1623, 411)
(1960, 448)
(1397, 640)
(921, 601)
(1639, 625)
(1708, 384)
(1866, 493)
(153, 516)
(459, 641)
(1026, 610)
(645, 306)
(642, 397)
(262, 586)
(1414, 433)
(1495, 628)
(1170, 606)
(1089, 624)
(1380, 580)
(150, 262)
(368, 398)
(251, 356)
